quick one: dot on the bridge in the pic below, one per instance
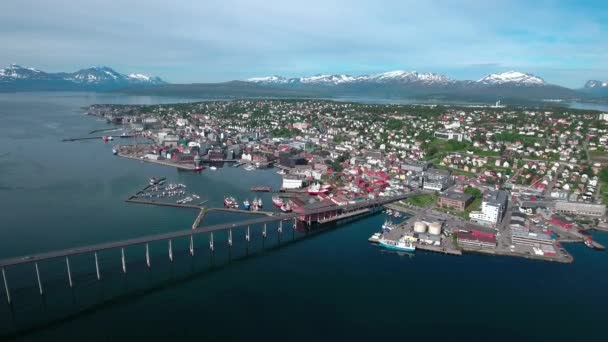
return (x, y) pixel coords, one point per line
(322, 215)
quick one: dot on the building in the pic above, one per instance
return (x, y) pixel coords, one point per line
(492, 208)
(293, 181)
(290, 161)
(579, 208)
(525, 237)
(447, 135)
(476, 239)
(415, 165)
(216, 154)
(435, 179)
(455, 200)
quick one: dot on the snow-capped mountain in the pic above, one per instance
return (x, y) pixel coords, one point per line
(398, 76)
(405, 77)
(596, 84)
(19, 78)
(404, 84)
(512, 78)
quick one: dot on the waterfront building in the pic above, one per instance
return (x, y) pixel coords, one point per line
(579, 208)
(476, 239)
(525, 237)
(492, 208)
(291, 181)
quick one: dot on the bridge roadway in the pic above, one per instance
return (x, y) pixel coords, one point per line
(190, 232)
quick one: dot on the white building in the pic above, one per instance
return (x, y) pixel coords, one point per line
(293, 182)
(492, 208)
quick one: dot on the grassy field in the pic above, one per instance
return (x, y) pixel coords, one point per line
(425, 200)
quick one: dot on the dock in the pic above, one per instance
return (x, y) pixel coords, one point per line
(134, 199)
(261, 189)
(181, 166)
(243, 211)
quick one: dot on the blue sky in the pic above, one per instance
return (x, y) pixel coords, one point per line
(565, 42)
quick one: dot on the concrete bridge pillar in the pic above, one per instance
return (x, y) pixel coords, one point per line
(38, 278)
(67, 264)
(123, 261)
(230, 237)
(97, 267)
(264, 231)
(211, 241)
(170, 250)
(192, 245)
(148, 255)
(8, 293)
(247, 237)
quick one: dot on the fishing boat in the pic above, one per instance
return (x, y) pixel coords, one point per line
(387, 226)
(375, 238)
(400, 245)
(277, 201)
(246, 204)
(286, 208)
(230, 202)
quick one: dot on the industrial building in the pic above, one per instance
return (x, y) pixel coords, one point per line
(578, 208)
(447, 135)
(291, 181)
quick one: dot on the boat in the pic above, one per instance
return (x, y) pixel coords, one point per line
(281, 172)
(375, 238)
(277, 201)
(399, 245)
(199, 168)
(154, 181)
(212, 168)
(387, 226)
(246, 204)
(317, 189)
(397, 214)
(286, 208)
(114, 151)
(259, 203)
(230, 202)
(249, 167)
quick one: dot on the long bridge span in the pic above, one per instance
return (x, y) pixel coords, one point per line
(339, 212)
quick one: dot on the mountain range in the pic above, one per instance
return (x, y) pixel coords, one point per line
(18, 78)
(510, 85)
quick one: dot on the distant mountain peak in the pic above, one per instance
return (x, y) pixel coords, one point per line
(396, 76)
(98, 77)
(594, 84)
(511, 77)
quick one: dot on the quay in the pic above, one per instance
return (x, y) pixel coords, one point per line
(97, 137)
(181, 166)
(134, 199)
(243, 211)
(261, 189)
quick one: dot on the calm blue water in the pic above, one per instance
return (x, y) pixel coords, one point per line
(330, 286)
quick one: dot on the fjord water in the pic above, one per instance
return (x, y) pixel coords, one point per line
(333, 285)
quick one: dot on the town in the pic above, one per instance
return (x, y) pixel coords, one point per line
(489, 179)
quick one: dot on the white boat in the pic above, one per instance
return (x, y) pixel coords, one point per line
(212, 168)
(400, 245)
(375, 238)
(249, 167)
